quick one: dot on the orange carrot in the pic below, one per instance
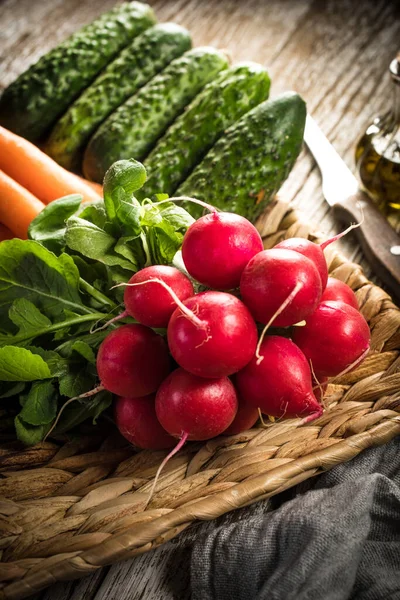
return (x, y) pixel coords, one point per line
(5, 233)
(17, 206)
(97, 187)
(39, 173)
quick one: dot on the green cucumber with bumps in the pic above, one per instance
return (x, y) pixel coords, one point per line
(247, 165)
(221, 103)
(149, 53)
(39, 96)
(134, 128)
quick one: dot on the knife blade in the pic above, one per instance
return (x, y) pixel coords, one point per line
(379, 242)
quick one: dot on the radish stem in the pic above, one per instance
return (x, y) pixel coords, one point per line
(96, 294)
(209, 207)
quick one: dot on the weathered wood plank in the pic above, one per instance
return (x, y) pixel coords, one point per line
(75, 590)
(165, 572)
(335, 53)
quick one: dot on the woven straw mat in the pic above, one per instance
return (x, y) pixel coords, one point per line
(71, 507)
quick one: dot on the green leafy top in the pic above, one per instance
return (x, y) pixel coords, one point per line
(122, 179)
(56, 286)
(28, 270)
(48, 227)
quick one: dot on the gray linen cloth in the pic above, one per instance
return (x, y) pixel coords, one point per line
(339, 540)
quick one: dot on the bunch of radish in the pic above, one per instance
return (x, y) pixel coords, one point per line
(213, 368)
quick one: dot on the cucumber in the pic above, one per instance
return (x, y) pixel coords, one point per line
(34, 101)
(247, 166)
(149, 53)
(219, 104)
(133, 129)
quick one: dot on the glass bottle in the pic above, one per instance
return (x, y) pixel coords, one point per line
(378, 155)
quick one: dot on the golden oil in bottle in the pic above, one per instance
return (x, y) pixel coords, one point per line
(378, 156)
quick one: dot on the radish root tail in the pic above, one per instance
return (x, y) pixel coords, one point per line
(321, 389)
(95, 329)
(263, 423)
(345, 232)
(187, 312)
(88, 394)
(312, 417)
(353, 364)
(282, 307)
(179, 445)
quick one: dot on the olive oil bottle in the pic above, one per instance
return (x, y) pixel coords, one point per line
(378, 155)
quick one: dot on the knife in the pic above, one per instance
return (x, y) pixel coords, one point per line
(379, 242)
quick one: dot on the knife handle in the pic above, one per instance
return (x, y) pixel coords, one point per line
(379, 242)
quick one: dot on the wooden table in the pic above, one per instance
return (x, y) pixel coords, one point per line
(335, 53)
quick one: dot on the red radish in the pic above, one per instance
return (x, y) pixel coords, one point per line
(335, 338)
(151, 304)
(195, 407)
(132, 361)
(137, 421)
(312, 251)
(216, 336)
(247, 415)
(280, 385)
(269, 279)
(337, 291)
(217, 247)
(315, 252)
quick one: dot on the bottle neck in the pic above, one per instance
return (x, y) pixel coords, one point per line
(395, 73)
(396, 103)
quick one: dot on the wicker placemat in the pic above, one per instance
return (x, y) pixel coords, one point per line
(69, 509)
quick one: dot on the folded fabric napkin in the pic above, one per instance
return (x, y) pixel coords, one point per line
(339, 540)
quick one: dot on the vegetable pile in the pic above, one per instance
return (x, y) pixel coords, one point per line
(140, 306)
(40, 95)
(56, 286)
(125, 87)
(187, 328)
